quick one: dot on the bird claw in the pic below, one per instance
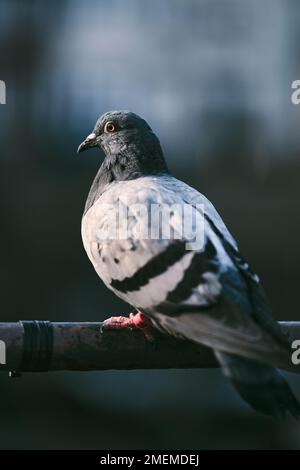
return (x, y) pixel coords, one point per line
(137, 321)
(116, 323)
(144, 324)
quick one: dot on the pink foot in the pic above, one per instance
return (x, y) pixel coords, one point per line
(135, 321)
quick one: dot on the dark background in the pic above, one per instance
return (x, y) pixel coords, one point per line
(213, 78)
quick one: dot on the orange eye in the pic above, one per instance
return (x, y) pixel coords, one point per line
(110, 127)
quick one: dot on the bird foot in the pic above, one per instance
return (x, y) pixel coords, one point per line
(134, 321)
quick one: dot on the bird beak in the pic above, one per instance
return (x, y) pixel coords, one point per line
(88, 143)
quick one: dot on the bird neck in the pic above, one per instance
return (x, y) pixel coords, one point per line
(134, 159)
(133, 155)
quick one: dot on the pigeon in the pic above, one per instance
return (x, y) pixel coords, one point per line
(191, 284)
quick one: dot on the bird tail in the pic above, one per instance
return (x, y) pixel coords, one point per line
(261, 386)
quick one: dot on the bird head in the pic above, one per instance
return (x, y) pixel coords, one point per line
(127, 141)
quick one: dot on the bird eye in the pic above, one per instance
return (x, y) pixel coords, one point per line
(110, 127)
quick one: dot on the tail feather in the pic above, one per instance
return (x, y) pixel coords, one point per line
(261, 386)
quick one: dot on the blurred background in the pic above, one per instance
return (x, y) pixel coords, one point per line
(213, 78)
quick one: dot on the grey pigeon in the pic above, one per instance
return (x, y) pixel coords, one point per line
(208, 295)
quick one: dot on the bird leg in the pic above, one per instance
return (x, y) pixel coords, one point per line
(137, 321)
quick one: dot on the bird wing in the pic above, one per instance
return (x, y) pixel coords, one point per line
(202, 295)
